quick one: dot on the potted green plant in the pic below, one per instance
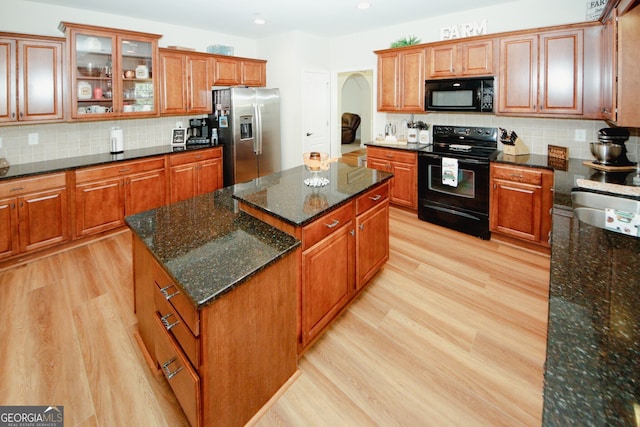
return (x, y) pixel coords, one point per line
(407, 41)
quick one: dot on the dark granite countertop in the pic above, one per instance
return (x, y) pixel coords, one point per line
(209, 246)
(58, 165)
(285, 196)
(405, 147)
(592, 370)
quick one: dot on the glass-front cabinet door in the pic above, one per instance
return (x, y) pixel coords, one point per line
(112, 73)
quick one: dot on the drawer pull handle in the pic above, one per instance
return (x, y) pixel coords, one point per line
(376, 197)
(124, 170)
(515, 175)
(167, 295)
(333, 224)
(165, 321)
(197, 157)
(167, 370)
(17, 188)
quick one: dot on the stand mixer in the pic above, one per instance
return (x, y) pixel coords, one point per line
(610, 150)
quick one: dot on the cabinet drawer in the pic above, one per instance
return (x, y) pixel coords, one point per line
(195, 156)
(391, 154)
(17, 187)
(325, 225)
(120, 169)
(371, 198)
(177, 299)
(527, 176)
(173, 323)
(182, 378)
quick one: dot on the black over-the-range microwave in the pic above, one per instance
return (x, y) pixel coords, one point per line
(467, 95)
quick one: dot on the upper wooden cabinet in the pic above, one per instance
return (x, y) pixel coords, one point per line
(620, 60)
(233, 71)
(474, 58)
(112, 73)
(31, 79)
(401, 80)
(186, 82)
(542, 73)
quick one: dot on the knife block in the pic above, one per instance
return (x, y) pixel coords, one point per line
(517, 149)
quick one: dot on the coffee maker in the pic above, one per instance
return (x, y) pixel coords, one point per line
(199, 132)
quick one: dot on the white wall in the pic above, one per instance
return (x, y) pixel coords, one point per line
(288, 56)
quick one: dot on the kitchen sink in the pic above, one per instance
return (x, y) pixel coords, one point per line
(591, 208)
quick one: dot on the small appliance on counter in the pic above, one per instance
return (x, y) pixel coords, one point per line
(610, 151)
(199, 130)
(117, 140)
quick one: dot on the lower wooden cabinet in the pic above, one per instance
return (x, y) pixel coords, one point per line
(33, 214)
(195, 173)
(222, 361)
(521, 203)
(341, 251)
(404, 166)
(328, 279)
(372, 236)
(105, 195)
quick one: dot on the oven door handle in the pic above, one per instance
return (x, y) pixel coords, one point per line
(468, 161)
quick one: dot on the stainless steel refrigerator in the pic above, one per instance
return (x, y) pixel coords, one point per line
(248, 124)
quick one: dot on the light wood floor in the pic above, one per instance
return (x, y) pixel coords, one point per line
(451, 332)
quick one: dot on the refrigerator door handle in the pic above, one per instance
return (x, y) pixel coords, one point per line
(257, 141)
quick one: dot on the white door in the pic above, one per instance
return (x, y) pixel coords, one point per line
(316, 111)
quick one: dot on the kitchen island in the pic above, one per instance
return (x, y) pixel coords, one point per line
(218, 291)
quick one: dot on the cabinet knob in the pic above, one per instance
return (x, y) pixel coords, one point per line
(361, 226)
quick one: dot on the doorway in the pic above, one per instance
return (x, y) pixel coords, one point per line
(355, 96)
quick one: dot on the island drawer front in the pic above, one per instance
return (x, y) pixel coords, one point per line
(94, 173)
(174, 324)
(195, 156)
(391, 154)
(325, 225)
(527, 176)
(372, 198)
(177, 299)
(16, 187)
(182, 378)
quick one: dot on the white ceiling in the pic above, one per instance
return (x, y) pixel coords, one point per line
(325, 18)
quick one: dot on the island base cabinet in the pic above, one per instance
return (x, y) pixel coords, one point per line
(372, 242)
(245, 341)
(182, 378)
(327, 282)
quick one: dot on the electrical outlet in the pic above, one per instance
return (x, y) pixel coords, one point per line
(33, 139)
(581, 135)
(178, 124)
(0, 142)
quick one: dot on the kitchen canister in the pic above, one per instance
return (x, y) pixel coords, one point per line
(423, 136)
(412, 135)
(117, 140)
(84, 90)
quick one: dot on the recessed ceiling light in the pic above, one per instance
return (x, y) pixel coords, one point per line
(259, 21)
(363, 5)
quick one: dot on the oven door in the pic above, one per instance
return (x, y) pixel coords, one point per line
(464, 207)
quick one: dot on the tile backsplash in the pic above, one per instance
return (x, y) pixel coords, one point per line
(62, 140)
(536, 133)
